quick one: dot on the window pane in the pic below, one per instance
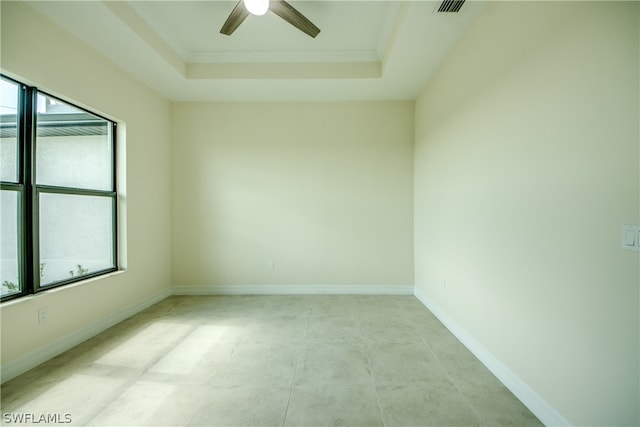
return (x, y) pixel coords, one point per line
(9, 261)
(8, 131)
(73, 148)
(76, 236)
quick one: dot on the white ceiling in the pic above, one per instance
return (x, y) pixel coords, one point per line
(366, 50)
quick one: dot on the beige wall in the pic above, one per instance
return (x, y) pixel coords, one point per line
(39, 53)
(322, 189)
(526, 168)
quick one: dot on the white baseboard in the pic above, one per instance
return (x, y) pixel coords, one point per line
(295, 290)
(546, 413)
(40, 355)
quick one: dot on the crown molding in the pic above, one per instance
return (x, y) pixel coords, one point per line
(283, 57)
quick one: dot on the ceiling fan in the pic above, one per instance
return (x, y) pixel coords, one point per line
(259, 7)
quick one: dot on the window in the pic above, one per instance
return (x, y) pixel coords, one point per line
(58, 192)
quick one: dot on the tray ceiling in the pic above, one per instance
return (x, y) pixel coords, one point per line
(366, 50)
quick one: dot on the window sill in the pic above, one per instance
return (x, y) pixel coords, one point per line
(32, 297)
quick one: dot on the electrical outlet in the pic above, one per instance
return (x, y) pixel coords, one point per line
(43, 314)
(271, 265)
(631, 237)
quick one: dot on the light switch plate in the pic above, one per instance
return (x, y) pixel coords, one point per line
(631, 237)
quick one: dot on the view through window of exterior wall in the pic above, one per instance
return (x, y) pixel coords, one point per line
(58, 199)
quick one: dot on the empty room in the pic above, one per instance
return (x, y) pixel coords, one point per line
(320, 213)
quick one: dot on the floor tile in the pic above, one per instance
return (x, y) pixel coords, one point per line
(197, 358)
(270, 360)
(241, 406)
(431, 330)
(238, 306)
(78, 396)
(151, 404)
(369, 305)
(333, 328)
(497, 406)
(406, 364)
(333, 364)
(461, 365)
(425, 406)
(328, 305)
(410, 304)
(333, 406)
(280, 328)
(262, 364)
(289, 305)
(388, 329)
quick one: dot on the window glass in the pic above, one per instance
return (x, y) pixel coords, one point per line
(9, 249)
(73, 148)
(76, 236)
(8, 131)
(58, 194)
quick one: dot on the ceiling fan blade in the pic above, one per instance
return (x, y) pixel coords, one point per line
(290, 14)
(236, 17)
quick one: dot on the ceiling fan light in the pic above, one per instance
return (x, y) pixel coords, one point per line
(257, 7)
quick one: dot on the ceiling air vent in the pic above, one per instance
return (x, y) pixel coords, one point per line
(450, 6)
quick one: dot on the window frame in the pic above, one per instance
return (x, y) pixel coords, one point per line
(29, 194)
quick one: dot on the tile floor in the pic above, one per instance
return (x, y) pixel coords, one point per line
(270, 361)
